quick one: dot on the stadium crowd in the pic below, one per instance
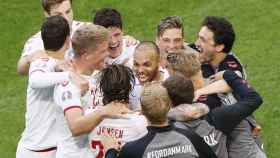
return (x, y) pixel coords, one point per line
(94, 92)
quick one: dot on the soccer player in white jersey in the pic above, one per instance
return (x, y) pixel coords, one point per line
(119, 52)
(116, 83)
(170, 36)
(90, 44)
(39, 138)
(146, 66)
(35, 43)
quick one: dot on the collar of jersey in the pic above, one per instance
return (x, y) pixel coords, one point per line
(159, 129)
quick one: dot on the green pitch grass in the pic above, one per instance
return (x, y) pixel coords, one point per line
(256, 23)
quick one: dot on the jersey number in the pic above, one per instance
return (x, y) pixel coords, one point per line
(95, 144)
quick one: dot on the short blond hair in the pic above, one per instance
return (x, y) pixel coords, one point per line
(155, 102)
(185, 62)
(88, 36)
(170, 22)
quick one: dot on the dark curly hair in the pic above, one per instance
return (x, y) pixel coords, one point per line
(108, 17)
(54, 32)
(116, 83)
(222, 29)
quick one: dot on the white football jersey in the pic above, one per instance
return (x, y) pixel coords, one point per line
(125, 57)
(95, 91)
(124, 130)
(66, 97)
(35, 43)
(134, 97)
(40, 116)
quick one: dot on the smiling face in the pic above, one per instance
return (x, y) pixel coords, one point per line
(90, 43)
(206, 44)
(146, 65)
(96, 57)
(115, 42)
(171, 40)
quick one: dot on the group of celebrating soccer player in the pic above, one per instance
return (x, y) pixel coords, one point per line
(93, 92)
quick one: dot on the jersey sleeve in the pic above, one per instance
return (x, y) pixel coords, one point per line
(225, 118)
(40, 65)
(33, 44)
(67, 96)
(41, 74)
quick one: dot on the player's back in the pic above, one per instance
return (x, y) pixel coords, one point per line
(127, 129)
(164, 141)
(40, 114)
(213, 137)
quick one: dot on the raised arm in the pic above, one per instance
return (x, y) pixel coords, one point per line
(186, 112)
(33, 48)
(25, 61)
(219, 86)
(41, 75)
(68, 97)
(41, 79)
(225, 118)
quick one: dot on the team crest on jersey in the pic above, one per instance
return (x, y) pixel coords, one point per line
(66, 95)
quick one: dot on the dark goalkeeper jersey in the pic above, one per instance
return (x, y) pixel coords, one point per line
(220, 122)
(169, 142)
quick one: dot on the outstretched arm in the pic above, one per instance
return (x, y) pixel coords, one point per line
(186, 112)
(25, 61)
(80, 124)
(41, 75)
(219, 86)
(225, 118)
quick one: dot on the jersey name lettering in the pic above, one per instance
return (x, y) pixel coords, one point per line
(210, 139)
(113, 132)
(170, 151)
